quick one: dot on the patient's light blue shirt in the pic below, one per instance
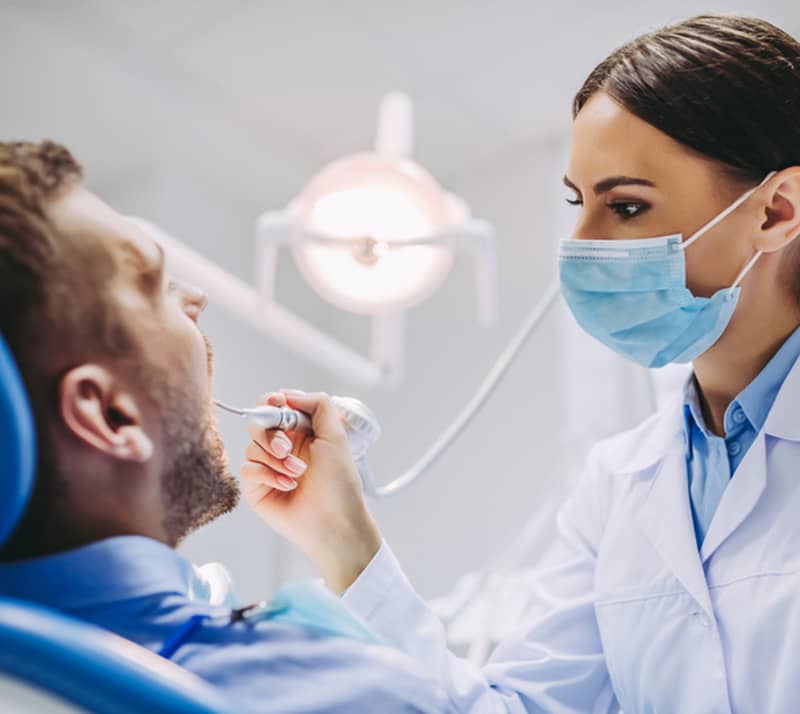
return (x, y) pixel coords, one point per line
(712, 460)
(143, 590)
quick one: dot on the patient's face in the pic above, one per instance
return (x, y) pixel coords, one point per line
(174, 365)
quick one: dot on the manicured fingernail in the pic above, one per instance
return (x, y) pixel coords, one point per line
(281, 445)
(295, 465)
(286, 483)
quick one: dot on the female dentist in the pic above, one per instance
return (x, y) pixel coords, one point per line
(674, 582)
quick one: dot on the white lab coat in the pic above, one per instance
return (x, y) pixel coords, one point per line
(625, 612)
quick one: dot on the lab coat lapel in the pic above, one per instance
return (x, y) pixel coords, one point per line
(783, 421)
(739, 498)
(666, 519)
(750, 479)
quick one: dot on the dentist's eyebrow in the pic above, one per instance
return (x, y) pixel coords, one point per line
(611, 182)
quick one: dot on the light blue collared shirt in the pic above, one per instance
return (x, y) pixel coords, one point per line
(143, 590)
(712, 460)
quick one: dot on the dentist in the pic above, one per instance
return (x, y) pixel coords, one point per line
(674, 581)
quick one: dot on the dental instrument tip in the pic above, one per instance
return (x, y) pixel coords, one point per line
(229, 408)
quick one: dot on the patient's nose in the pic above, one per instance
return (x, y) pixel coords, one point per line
(195, 300)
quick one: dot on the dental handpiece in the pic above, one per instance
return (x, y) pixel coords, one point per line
(270, 417)
(360, 424)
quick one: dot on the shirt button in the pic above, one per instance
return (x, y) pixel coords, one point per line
(738, 415)
(734, 448)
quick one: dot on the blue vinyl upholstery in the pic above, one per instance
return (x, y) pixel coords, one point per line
(95, 669)
(17, 444)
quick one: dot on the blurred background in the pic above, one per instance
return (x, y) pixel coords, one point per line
(201, 114)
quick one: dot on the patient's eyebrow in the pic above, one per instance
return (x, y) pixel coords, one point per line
(150, 272)
(611, 182)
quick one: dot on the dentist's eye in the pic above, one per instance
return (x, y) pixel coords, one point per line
(628, 209)
(574, 201)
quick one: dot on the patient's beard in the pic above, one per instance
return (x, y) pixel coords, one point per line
(197, 485)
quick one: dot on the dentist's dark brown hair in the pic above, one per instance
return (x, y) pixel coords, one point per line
(726, 86)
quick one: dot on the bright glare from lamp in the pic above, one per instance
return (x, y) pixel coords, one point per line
(377, 203)
(377, 211)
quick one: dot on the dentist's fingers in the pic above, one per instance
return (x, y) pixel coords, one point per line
(326, 422)
(258, 480)
(274, 441)
(291, 466)
(276, 399)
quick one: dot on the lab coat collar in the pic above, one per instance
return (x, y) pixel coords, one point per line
(654, 437)
(783, 421)
(657, 449)
(739, 498)
(750, 479)
(104, 572)
(665, 515)
(645, 446)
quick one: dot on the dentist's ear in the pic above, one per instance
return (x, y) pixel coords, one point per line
(99, 411)
(781, 211)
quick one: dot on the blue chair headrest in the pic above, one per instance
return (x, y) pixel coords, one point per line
(17, 444)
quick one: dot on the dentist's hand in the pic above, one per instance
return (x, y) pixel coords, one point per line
(309, 490)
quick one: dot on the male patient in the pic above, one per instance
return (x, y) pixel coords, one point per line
(130, 461)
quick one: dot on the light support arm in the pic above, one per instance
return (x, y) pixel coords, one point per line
(258, 307)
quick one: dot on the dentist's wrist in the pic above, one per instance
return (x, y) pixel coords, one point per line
(348, 549)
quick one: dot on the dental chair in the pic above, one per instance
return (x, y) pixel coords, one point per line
(50, 662)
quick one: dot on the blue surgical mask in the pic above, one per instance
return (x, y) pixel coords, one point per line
(632, 295)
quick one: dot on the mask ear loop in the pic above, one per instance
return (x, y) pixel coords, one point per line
(722, 216)
(750, 263)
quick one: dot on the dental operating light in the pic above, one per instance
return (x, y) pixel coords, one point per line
(373, 234)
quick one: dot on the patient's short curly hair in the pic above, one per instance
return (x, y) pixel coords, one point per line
(31, 251)
(52, 286)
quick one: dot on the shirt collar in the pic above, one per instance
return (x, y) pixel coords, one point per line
(755, 400)
(691, 404)
(100, 573)
(692, 414)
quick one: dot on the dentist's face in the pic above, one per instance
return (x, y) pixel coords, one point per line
(631, 180)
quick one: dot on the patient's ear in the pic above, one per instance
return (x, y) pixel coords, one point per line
(101, 411)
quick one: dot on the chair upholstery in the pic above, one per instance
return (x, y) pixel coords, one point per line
(17, 445)
(95, 669)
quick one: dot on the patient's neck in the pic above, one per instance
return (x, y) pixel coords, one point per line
(44, 532)
(21, 546)
(36, 538)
